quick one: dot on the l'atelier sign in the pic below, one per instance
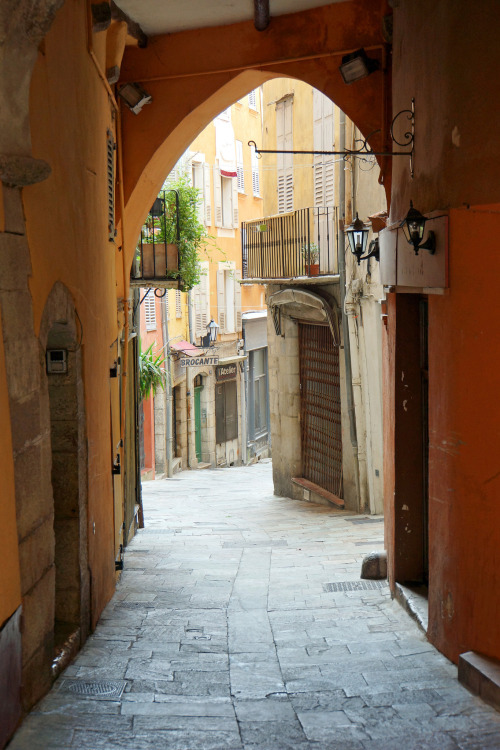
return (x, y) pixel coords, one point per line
(226, 372)
(199, 361)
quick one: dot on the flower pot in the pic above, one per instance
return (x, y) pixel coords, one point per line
(154, 263)
(312, 269)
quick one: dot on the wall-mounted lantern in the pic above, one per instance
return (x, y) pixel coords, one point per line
(211, 337)
(357, 65)
(134, 96)
(413, 226)
(357, 234)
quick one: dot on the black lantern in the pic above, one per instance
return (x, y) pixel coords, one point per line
(211, 336)
(158, 207)
(414, 227)
(357, 234)
(357, 65)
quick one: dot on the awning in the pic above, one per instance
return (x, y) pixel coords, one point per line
(186, 348)
(226, 148)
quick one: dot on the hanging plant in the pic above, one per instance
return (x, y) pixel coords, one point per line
(151, 372)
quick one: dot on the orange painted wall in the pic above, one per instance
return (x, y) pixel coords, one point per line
(464, 366)
(456, 171)
(68, 236)
(10, 583)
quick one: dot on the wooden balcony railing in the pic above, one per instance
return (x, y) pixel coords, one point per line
(300, 243)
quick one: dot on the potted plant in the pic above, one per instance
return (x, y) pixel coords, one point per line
(310, 253)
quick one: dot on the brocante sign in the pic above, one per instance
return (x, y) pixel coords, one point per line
(199, 361)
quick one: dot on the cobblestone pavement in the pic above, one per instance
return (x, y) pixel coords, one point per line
(227, 632)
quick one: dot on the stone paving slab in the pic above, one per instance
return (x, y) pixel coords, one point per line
(227, 636)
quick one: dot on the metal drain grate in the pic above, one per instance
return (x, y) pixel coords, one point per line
(105, 689)
(354, 585)
(365, 520)
(267, 543)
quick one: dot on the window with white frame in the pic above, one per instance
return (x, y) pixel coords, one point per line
(229, 298)
(150, 311)
(226, 200)
(284, 133)
(252, 100)
(239, 167)
(323, 139)
(258, 365)
(201, 300)
(255, 174)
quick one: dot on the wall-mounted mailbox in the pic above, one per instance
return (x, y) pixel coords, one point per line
(57, 361)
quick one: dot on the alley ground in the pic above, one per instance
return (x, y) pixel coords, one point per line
(240, 622)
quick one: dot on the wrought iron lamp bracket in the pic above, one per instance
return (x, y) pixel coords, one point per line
(373, 252)
(408, 140)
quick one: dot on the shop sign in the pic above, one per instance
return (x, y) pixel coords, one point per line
(226, 372)
(199, 361)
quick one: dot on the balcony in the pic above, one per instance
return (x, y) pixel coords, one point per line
(156, 261)
(301, 243)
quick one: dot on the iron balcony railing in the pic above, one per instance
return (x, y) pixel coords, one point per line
(156, 261)
(300, 243)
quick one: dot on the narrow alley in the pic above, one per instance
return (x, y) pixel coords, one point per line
(239, 622)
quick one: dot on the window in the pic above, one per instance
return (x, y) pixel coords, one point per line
(200, 177)
(255, 174)
(178, 304)
(226, 200)
(259, 366)
(323, 139)
(239, 167)
(252, 100)
(150, 311)
(228, 299)
(284, 132)
(201, 299)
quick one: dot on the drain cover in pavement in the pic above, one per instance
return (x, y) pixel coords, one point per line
(354, 585)
(365, 520)
(105, 689)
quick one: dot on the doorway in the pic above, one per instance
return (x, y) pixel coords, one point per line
(320, 408)
(198, 387)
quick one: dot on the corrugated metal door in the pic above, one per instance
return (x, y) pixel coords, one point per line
(320, 408)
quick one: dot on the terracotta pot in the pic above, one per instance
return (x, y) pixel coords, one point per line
(313, 269)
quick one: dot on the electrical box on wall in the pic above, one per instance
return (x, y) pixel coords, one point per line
(57, 361)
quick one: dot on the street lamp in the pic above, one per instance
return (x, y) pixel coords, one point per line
(357, 65)
(413, 226)
(211, 336)
(357, 234)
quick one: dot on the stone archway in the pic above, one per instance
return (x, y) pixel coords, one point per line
(59, 336)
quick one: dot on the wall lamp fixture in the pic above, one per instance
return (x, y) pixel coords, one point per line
(357, 65)
(134, 96)
(357, 234)
(413, 226)
(211, 336)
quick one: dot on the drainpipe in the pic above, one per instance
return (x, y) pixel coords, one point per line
(345, 322)
(168, 386)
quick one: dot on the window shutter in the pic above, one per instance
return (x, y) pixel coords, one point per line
(178, 304)
(284, 135)
(217, 197)
(205, 296)
(207, 196)
(237, 300)
(221, 301)
(150, 311)
(235, 203)
(252, 100)
(197, 309)
(239, 167)
(318, 146)
(110, 155)
(255, 174)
